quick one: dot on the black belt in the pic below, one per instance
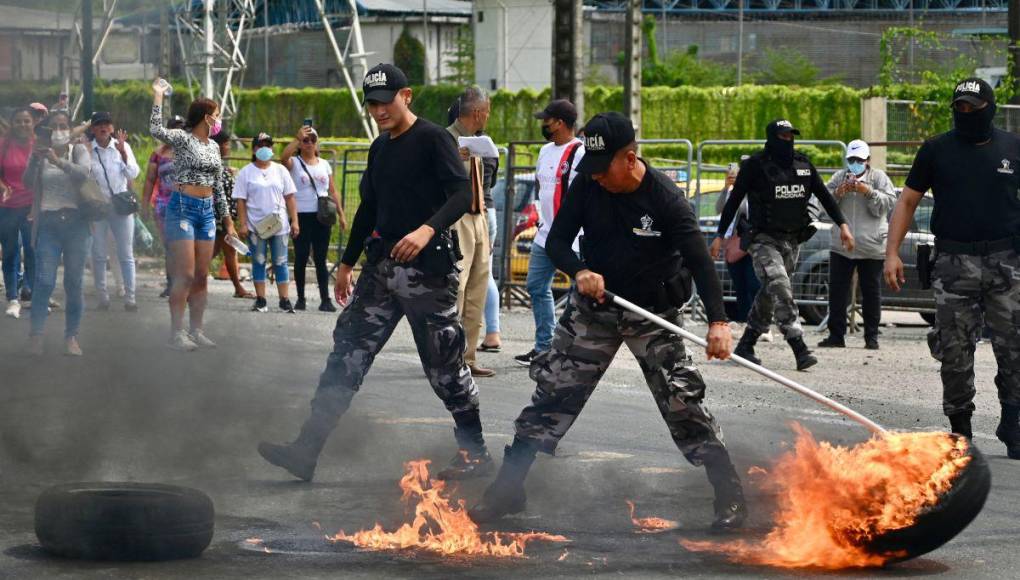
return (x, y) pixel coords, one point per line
(977, 248)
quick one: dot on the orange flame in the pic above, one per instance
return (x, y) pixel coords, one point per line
(833, 500)
(439, 525)
(651, 525)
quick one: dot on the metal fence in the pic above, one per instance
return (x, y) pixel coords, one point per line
(516, 198)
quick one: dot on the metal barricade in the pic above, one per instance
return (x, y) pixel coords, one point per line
(517, 210)
(810, 280)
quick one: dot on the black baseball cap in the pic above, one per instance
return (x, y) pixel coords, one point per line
(262, 139)
(780, 126)
(382, 83)
(100, 117)
(561, 109)
(604, 135)
(974, 91)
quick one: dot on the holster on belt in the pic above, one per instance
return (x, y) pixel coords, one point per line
(925, 265)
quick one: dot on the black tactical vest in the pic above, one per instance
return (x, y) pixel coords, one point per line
(781, 204)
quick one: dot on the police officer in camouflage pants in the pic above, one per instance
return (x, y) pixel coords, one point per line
(778, 183)
(413, 190)
(638, 228)
(973, 172)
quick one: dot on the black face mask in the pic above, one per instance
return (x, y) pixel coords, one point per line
(547, 133)
(976, 126)
(780, 150)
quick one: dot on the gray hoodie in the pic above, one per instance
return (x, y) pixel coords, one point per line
(866, 214)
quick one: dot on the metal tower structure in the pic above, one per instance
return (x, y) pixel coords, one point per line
(210, 33)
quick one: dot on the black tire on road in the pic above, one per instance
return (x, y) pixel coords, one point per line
(124, 521)
(944, 520)
(814, 314)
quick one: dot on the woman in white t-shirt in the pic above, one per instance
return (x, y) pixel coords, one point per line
(266, 214)
(314, 180)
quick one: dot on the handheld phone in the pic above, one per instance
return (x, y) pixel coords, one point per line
(43, 137)
(308, 122)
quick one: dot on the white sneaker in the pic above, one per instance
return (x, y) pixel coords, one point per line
(181, 341)
(767, 337)
(200, 339)
(13, 309)
(72, 348)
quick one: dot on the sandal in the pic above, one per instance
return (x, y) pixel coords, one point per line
(489, 348)
(248, 295)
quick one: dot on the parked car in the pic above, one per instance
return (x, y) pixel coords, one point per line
(811, 279)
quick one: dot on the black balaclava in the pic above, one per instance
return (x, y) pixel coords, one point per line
(976, 126)
(780, 150)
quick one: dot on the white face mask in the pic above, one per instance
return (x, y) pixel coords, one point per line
(61, 138)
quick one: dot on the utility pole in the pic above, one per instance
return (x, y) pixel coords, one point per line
(568, 53)
(632, 72)
(208, 88)
(425, 34)
(1014, 46)
(740, 42)
(164, 42)
(86, 57)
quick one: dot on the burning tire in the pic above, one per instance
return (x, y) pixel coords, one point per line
(124, 521)
(955, 510)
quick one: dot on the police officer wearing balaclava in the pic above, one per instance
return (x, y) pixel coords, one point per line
(778, 183)
(973, 172)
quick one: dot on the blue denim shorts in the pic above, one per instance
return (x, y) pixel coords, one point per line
(190, 218)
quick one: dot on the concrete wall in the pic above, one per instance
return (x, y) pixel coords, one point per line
(528, 45)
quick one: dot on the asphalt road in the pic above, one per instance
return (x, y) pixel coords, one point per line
(131, 410)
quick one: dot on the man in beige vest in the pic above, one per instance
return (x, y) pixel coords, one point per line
(473, 228)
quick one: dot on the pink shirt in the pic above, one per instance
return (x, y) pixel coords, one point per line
(14, 162)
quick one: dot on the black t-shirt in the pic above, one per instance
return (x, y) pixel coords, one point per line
(635, 240)
(415, 179)
(975, 187)
(778, 198)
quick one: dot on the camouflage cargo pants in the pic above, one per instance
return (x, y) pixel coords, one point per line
(774, 260)
(972, 292)
(583, 346)
(385, 293)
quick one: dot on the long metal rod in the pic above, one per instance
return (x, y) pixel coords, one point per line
(793, 385)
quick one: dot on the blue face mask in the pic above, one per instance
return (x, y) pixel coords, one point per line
(263, 154)
(857, 168)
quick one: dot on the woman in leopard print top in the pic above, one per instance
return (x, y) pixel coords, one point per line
(195, 205)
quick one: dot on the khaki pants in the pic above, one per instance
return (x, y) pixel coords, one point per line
(473, 231)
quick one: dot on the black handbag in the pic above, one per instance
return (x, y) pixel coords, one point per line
(327, 210)
(124, 202)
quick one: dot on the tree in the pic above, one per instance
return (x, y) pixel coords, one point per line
(409, 56)
(462, 61)
(787, 67)
(680, 67)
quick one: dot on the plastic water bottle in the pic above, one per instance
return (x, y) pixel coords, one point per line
(168, 89)
(237, 244)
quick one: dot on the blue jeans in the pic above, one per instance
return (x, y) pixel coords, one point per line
(540, 278)
(745, 286)
(60, 233)
(190, 218)
(492, 296)
(123, 228)
(15, 234)
(277, 245)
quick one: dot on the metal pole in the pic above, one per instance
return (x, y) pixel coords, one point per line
(790, 384)
(503, 48)
(265, 42)
(632, 75)
(208, 88)
(740, 42)
(1014, 44)
(425, 33)
(88, 101)
(367, 124)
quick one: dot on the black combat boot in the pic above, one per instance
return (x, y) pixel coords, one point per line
(805, 359)
(300, 457)
(960, 424)
(730, 508)
(473, 459)
(506, 494)
(745, 348)
(1009, 430)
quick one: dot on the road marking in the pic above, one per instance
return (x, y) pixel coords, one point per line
(593, 456)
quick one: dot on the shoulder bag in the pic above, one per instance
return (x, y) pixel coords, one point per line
(326, 212)
(93, 204)
(124, 202)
